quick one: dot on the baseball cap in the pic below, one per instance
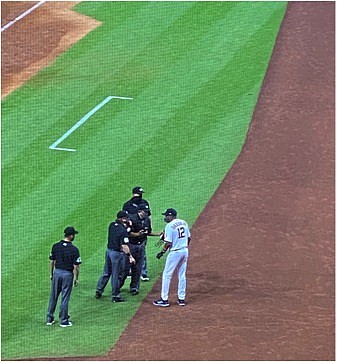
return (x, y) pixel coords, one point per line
(122, 214)
(137, 190)
(143, 207)
(170, 212)
(70, 230)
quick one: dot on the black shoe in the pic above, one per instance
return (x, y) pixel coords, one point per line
(118, 299)
(66, 324)
(98, 295)
(134, 292)
(50, 321)
(181, 302)
(161, 303)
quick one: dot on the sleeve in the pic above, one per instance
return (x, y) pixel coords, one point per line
(188, 231)
(52, 255)
(125, 237)
(168, 234)
(148, 225)
(149, 211)
(125, 206)
(77, 257)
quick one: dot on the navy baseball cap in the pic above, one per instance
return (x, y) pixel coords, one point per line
(137, 190)
(122, 214)
(170, 212)
(143, 207)
(69, 230)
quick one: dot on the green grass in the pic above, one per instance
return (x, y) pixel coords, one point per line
(194, 70)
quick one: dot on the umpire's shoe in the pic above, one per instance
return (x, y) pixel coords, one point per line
(118, 299)
(161, 303)
(50, 321)
(98, 295)
(66, 324)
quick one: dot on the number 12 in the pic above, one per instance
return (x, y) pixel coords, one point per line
(181, 232)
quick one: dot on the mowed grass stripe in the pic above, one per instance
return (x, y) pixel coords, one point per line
(12, 182)
(15, 182)
(46, 105)
(94, 169)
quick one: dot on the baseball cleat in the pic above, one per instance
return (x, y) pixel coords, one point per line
(181, 302)
(118, 300)
(161, 303)
(144, 278)
(66, 324)
(50, 322)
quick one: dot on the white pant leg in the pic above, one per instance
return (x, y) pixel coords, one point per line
(172, 261)
(182, 274)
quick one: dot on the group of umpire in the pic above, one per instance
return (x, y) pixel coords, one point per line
(127, 237)
(125, 252)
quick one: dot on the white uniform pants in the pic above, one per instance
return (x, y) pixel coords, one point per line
(177, 259)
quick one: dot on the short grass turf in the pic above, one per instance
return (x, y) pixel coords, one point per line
(194, 71)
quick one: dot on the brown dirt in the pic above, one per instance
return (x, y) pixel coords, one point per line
(261, 280)
(36, 40)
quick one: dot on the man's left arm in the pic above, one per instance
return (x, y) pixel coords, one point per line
(52, 267)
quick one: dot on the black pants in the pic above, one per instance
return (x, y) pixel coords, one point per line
(113, 268)
(138, 252)
(62, 283)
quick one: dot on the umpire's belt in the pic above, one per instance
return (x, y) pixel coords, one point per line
(136, 242)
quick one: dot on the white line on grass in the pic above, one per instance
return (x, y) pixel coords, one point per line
(22, 15)
(80, 122)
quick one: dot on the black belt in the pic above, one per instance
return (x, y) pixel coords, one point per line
(137, 243)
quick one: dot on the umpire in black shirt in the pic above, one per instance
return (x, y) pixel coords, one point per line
(132, 207)
(118, 240)
(64, 267)
(140, 229)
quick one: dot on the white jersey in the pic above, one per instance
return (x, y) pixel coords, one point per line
(177, 232)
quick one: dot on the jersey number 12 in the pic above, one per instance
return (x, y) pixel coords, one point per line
(181, 232)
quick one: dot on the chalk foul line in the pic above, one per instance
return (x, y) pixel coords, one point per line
(22, 15)
(80, 122)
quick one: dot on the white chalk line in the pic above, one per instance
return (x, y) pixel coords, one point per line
(80, 122)
(22, 15)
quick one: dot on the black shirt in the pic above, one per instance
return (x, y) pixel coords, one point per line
(117, 236)
(131, 206)
(139, 224)
(66, 255)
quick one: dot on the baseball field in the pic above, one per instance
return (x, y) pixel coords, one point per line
(157, 94)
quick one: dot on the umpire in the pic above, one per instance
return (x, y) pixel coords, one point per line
(118, 240)
(140, 229)
(132, 207)
(64, 267)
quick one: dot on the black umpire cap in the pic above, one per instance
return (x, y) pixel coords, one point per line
(122, 214)
(137, 190)
(170, 212)
(143, 207)
(70, 230)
